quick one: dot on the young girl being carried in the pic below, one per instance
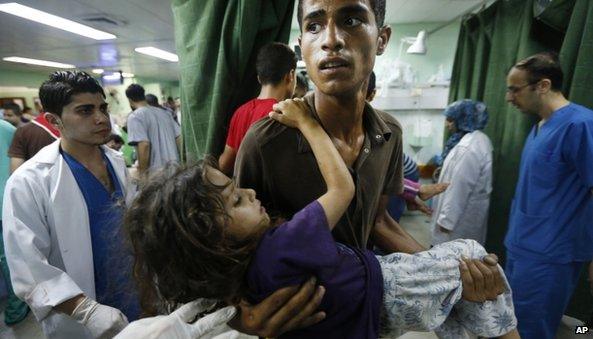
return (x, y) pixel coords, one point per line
(197, 235)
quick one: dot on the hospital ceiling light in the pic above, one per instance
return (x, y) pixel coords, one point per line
(98, 71)
(54, 21)
(38, 62)
(158, 53)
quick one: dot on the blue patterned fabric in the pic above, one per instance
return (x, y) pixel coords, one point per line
(468, 115)
(422, 292)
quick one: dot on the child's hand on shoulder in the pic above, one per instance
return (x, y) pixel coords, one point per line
(292, 113)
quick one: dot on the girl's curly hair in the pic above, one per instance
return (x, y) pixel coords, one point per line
(176, 228)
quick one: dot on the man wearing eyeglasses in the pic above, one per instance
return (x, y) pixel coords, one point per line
(550, 231)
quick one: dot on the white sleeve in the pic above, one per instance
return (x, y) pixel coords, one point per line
(28, 244)
(137, 130)
(466, 173)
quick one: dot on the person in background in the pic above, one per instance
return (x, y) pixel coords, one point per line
(153, 131)
(461, 212)
(62, 215)
(302, 85)
(28, 114)
(177, 115)
(13, 114)
(16, 310)
(276, 64)
(29, 139)
(414, 193)
(550, 235)
(115, 142)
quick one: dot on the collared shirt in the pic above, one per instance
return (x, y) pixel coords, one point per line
(553, 207)
(277, 162)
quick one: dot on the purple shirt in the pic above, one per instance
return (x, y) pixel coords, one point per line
(303, 247)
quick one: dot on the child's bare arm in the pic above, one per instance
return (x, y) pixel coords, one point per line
(340, 186)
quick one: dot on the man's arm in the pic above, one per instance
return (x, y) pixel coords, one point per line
(15, 163)
(226, 162)
(143, 149)
(179, 145)
(389, 236)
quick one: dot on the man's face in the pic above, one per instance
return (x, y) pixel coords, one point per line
(11, 117)
(85, 120)
(339, 42)
(520, 93)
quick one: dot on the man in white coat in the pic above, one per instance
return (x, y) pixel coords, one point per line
(461, 212)
(61, 218)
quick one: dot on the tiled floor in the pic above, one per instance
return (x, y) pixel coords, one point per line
(416, 224)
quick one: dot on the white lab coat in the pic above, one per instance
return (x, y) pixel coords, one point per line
(463, 207)
(47, 237)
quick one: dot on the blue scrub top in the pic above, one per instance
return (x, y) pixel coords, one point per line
(111, 260)
(552, 213)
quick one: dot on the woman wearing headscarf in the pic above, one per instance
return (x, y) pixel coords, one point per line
(462, 210)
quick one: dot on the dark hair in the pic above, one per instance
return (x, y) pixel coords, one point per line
(16, 109)
(116, 138)
(274, 61)
(545, 65)
(372, 84)
(135, 93)
(57, 92)
(378, 7)
(27, 108)
(176, 226)
(302, 81)
(152, 100)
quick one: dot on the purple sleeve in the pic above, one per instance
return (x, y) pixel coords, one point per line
(292, 252)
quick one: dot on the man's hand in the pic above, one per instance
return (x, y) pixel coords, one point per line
(428, 191)
(418, 205)
(285, 310)
(481, 280)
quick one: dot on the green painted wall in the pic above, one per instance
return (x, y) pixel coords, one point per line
(440, 45)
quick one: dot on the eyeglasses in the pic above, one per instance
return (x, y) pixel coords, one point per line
(515, 90)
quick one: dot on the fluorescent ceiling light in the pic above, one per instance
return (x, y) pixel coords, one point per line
(98, 71)
(127, 75)
(38, 62)
(158, 53)
(54, 21)
(113, 76)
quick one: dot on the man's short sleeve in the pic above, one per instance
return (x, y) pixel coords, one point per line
(394, 179)
(579, 149)
(18, 147)
(136, 129)
(249, 166)
(233, 139)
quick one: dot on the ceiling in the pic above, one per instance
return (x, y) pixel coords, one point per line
(139, 23)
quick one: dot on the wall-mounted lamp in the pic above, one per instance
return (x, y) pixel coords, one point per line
(418, 44)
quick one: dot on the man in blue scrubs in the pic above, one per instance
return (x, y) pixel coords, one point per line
(62, 218)
(550, 232)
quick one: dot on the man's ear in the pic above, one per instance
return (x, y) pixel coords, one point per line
(53, 119)
(383, 39)
(289, 77)
(544, 85)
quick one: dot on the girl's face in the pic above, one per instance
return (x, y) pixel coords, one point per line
(450, 124)
(247, 215)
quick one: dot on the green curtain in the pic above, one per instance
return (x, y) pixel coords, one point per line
(217, 42)
(492, 41)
